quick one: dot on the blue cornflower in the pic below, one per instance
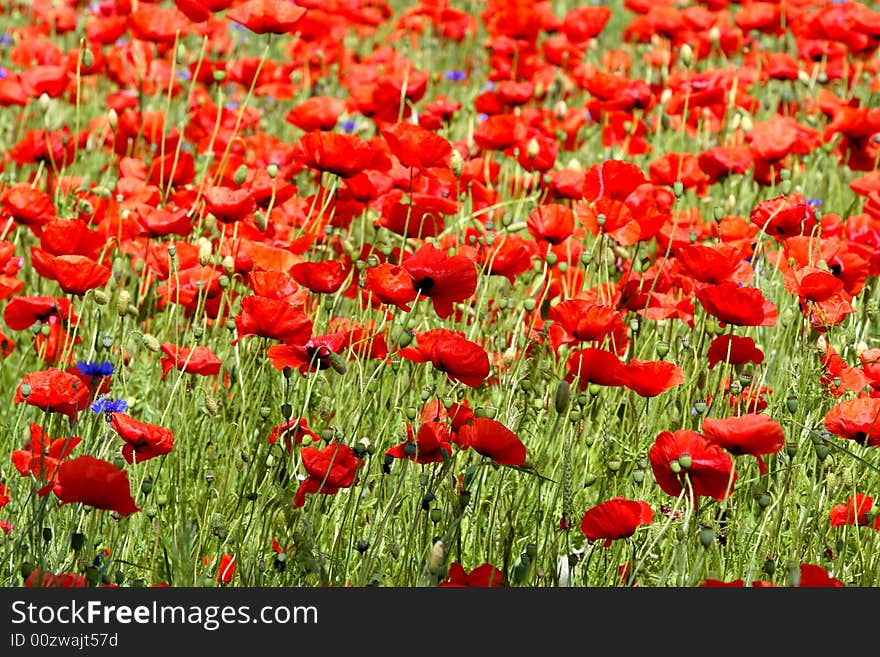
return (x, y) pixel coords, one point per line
(455, 76)
(3, 73)
(348, 126)
(814, 202)
(108, 405)
(94, 368)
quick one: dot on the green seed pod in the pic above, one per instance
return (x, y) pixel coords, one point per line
(638, 476)
(272, 170)
(551, 258)
(436, 515)
(700, 406)
(821, 452)
(47, 534)
(589, 479)
(614, 465)
(485, 412)
(791, 448)
(769, 566)
(685, 461)
(119, 462)
(707, 537)
(595, 389)
(161, 501)
(792, 404)
(764, 500)
(147, 486)
(528, 305)
(26, 569)
(678, 188)
(675, 466)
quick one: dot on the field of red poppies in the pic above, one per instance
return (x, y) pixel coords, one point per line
(447, 293)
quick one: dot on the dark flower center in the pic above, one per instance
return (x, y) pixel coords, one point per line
(424, 284)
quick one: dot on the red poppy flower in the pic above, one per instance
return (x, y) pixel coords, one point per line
(391, 284)
(267, 16)
(650, 378)
(72, 237)
(855, 512)
(328, 469)
(195, 360)
(714, 263)
(226, 569)
(274, 319)
(158, 24)
(23, 312)
(28, 206)
(417, 147)
(324, 277)
(740, 306)
(94, 482)
(856, 419)
(614, 519)
(444, 279)
(229, 205)
(430, 445)
(752, 433)
(499, 132)
(54, 390)
(579, 320)
(584, 23)
(709, 469)
(491, 438)
(43, 455)
(39, 579)
(461, 359)
(143, 441)
(7, 345)
(815, 576)
(291, 433)
(75, 274)
(344, 155)
(734, 350)
(316, 113)
(483, 576)
(551, 222)
(784, 216)
(4, 495)
(593, 365)
(318, 353)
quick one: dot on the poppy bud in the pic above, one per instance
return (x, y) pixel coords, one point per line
(791, 448)
(785, 186)
(600, 219)
(589, 479)
(240, 175)
(675, 467)
(595, 389)
(25, 390)
(77, 540)
(585, 257)
(427, 498)
(821, 452)
(101, 298)
(687, 55)
(436, 515)
(151, 342)
(410, 449)
(147, 486)
(286, 410)
(707, 536)
(47, 534)
(551, 258)
(436, 557)
(735, 387)
(219, 76)
(485, 412)
(212, 406)
(575, 416)
(764, 500)
(614, 465)
(685, 461)
(337, 362)
(361, 546)
(456, 163)
(662, 349)
(678, 188)
(119, 462)
(161, 500)
(26, 569)
(638, 476)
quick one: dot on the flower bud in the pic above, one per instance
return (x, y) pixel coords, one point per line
(436, 558)
(707, 537)
(151, 342)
